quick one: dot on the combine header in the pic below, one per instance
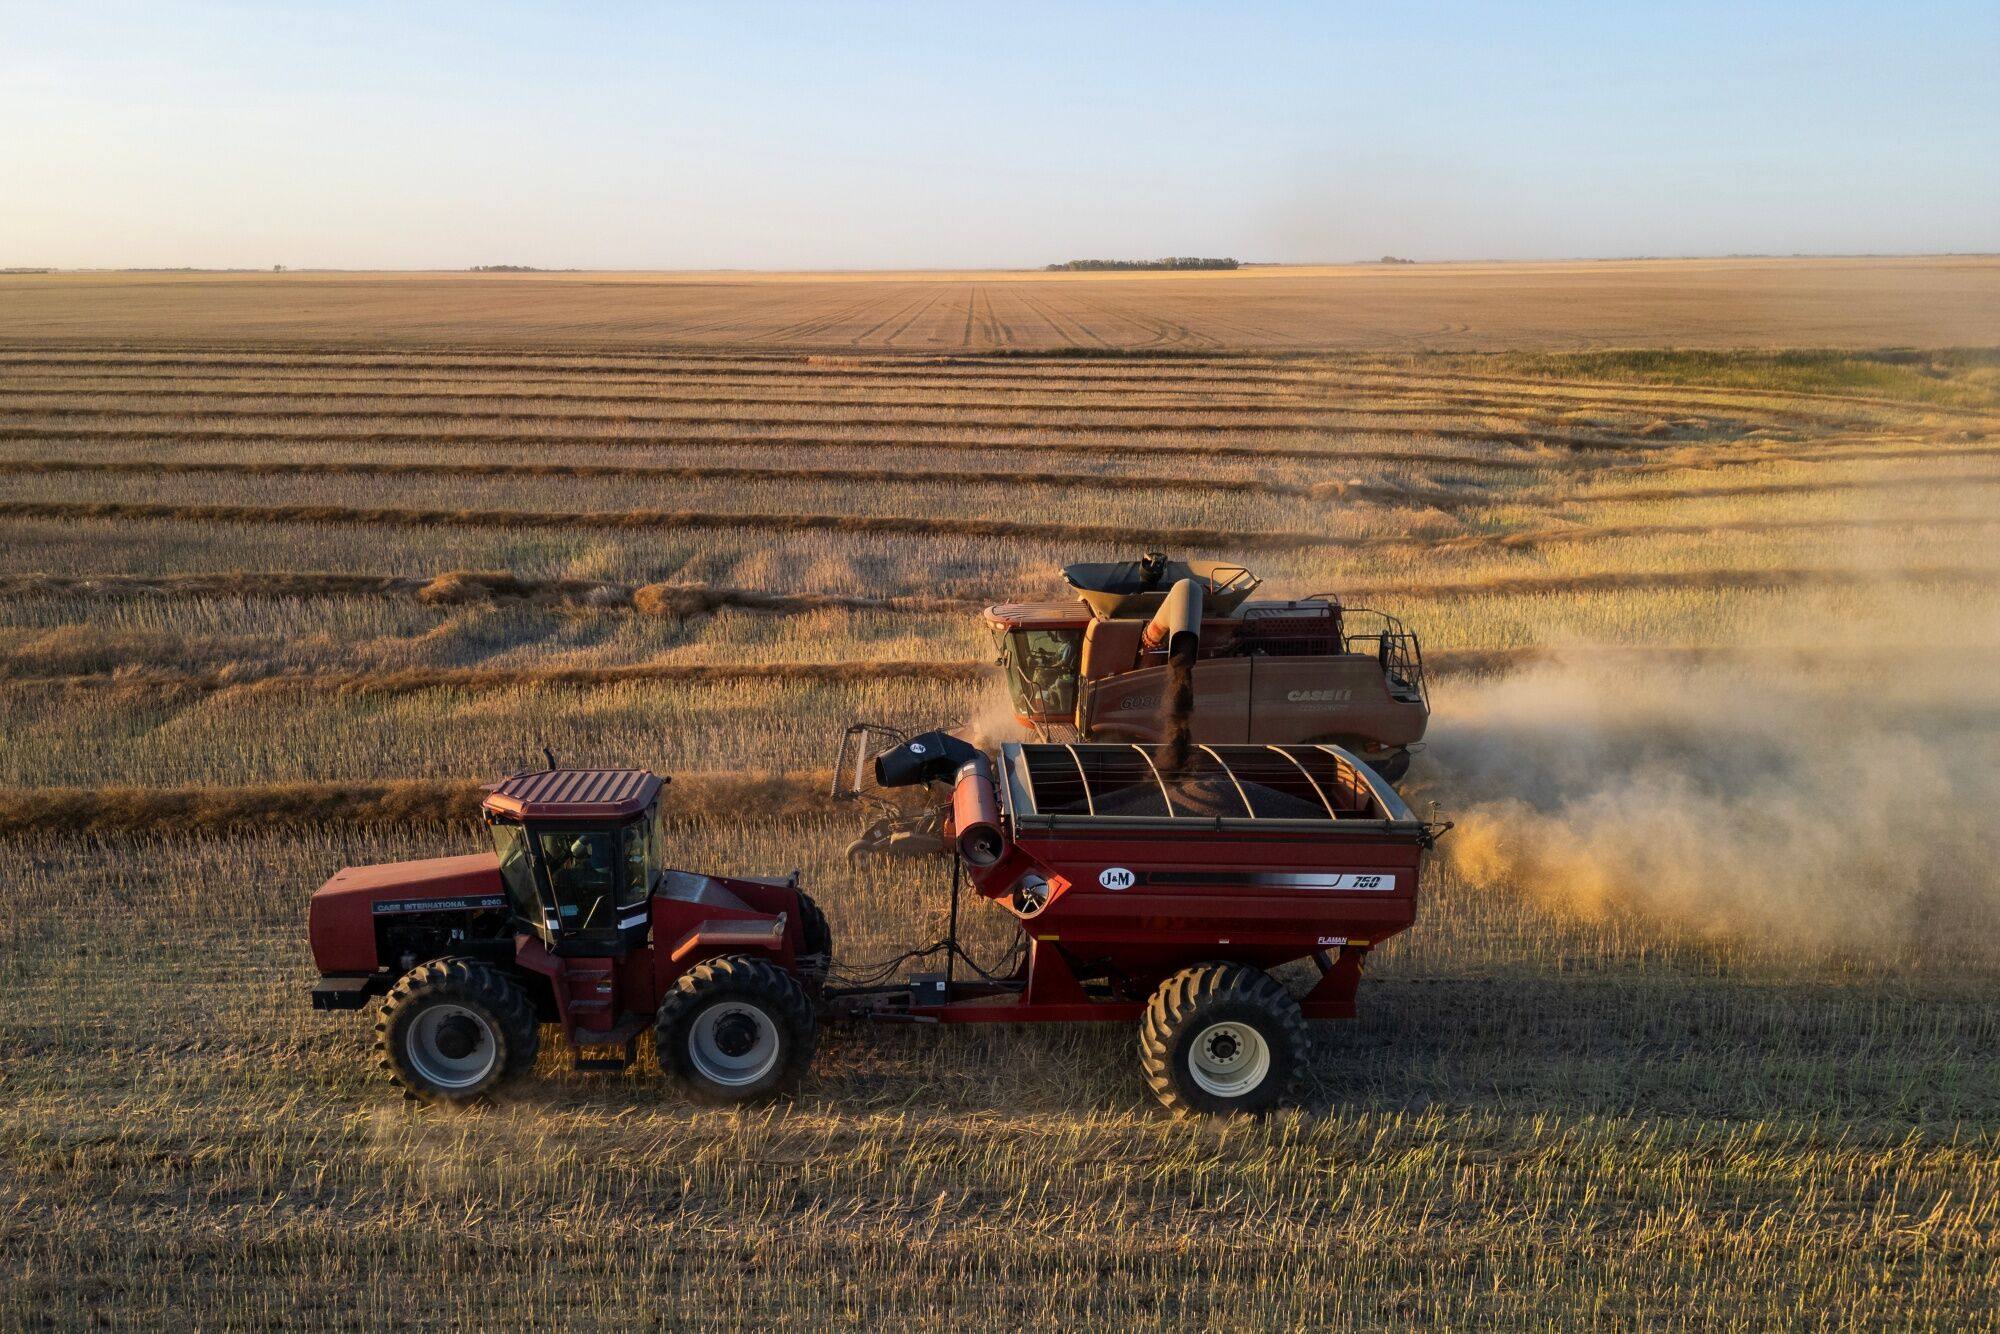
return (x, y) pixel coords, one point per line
(1109, 664)
(1165, 897)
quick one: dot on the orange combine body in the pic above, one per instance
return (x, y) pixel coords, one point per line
(1301, 672)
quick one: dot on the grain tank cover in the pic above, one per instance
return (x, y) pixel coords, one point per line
(1264, 786)
(1130, 588)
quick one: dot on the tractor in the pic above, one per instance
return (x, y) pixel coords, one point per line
(574, 919)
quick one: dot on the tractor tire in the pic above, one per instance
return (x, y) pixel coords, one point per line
(454, 1030)
(736, 1029)
(1222, 1038)
(818, 944)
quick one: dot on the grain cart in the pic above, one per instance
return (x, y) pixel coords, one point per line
(1166, 897)
(1099, 666)
(1162, 898)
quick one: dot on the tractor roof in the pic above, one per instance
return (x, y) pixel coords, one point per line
(574, 794)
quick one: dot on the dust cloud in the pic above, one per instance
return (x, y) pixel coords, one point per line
(993, 722)
(1839, 796)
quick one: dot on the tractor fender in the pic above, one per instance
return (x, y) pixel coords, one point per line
(765, 937)
(741, 936)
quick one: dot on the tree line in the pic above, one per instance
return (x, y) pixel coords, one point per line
(1171, 262)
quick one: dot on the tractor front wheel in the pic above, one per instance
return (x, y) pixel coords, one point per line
(1222, 1038)
(453, 1030)
(736, 1029)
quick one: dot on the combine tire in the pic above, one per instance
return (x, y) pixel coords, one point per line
(1221, 1038)
(1392, 766)
(453, 1030)
(817, 954)
(736, 1029)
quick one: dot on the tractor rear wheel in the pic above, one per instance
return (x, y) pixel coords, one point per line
(1222, 1038)
(736, 1029)
(817, 955)
(453, 1030)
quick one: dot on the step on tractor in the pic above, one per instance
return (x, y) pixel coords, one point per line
(1100, 666)
(1166, 899)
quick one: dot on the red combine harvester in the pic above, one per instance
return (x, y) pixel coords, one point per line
(1098, 667)
(1162, 897)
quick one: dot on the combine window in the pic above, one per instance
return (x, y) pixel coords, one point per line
(1041, 671)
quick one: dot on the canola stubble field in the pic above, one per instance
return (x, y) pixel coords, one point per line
(1697, 1025)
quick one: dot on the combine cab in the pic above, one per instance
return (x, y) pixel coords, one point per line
(1100, 667)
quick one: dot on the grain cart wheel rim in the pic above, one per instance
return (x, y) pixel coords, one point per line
(452, 1047)
(733, 1044)
(1229, 1060)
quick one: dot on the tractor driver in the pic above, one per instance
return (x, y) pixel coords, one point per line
(580, 871)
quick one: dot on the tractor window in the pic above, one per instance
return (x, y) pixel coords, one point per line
(642, 862)
(511, 842)
(1041, 671)
(583, 873)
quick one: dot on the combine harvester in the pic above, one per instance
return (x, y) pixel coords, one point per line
(1164, 897)
(1107, 664)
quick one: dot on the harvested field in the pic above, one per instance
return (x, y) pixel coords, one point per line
(1947, 302)
(1695, 1028)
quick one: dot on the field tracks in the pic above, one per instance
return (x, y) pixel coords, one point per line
(1117, 536)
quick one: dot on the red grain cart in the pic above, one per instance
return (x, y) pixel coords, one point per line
(1168, 898)
(1140, 895)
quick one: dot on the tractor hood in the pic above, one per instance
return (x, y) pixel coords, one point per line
(344, 909)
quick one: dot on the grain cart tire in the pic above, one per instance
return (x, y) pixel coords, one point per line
(818, 944)
(454, 1030)
(1221, 1038)
(736, 1029)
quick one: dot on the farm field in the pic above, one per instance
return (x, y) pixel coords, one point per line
(1696, 1027)
(1946, 301)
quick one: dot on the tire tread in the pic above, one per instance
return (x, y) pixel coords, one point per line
(1182, 1000)
(744, 975)
(455, 977)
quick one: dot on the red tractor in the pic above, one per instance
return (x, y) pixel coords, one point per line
(1163, 897)
(574, 919)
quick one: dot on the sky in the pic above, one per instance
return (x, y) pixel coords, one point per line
(939, 135)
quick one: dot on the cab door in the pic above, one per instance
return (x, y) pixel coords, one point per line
(523, 881)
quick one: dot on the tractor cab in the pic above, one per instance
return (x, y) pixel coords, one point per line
(580, 854)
